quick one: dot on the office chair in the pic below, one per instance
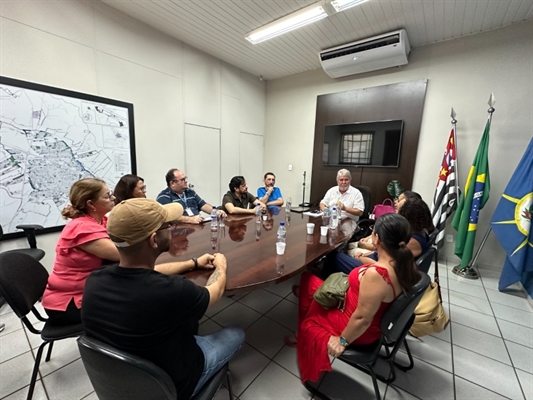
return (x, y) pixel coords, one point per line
(394, 327)
(424, 261)
(29, 231)
(116, 374)
(367, 197)
(22, 283)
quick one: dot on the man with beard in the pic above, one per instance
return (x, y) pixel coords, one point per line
(270, 195)
(143, 312)
(344, 196)
(238, 201)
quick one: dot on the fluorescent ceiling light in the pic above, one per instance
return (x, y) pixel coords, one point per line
(341, 5)
(288, 23)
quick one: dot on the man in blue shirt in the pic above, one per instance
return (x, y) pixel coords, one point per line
(178, 191)
(269, 194)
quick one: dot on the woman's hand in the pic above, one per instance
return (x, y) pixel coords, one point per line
(335, 348)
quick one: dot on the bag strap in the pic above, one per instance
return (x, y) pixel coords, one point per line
(436, 279)
(387, 200)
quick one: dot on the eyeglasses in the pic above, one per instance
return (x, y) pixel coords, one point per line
(108, 195)
(179, 180)
(170, 225)
(143, 188)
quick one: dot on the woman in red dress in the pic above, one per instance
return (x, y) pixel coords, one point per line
(323, 332)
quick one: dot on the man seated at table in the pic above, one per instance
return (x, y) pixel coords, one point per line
(237, 200)
(138, 310)
(270, 195)
(178, 191)
(346, 197)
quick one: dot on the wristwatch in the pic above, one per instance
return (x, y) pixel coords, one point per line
(343, 341)
(195, 261)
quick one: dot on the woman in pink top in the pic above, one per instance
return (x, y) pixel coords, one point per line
(82, 247)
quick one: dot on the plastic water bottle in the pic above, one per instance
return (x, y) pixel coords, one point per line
(214, 221)
(334, 221)
(282, 232)
(257, 232)
(214, 238)
(288, 205)
(258, 212)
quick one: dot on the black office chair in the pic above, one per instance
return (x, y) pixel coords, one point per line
(367, 197)
(424, 261)
(116, 375)
(395, 324)
(29, 231)
(22, 283)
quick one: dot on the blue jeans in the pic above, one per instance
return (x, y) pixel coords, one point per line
(341, 262)
(218, 348)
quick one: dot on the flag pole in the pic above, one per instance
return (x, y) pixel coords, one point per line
(454, 123)
(469, 272)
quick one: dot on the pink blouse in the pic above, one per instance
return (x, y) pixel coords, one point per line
(73, 265)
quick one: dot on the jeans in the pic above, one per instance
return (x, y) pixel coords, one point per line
(341, 262)
(218, 348)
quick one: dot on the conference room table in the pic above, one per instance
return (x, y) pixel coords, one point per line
(250, 247)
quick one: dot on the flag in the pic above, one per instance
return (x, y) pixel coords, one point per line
(511, 224)
(445, 198)
(474, 198)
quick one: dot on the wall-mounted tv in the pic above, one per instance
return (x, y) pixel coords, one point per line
(372, 144)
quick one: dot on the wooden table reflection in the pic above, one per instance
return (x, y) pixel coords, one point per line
(250, 248)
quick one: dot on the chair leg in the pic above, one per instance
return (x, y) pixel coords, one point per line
(411, 361)
(35, 370)
(375, 383)
(230, 390)
(49, 353)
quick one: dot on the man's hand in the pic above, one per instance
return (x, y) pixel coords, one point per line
(219, 261)
(195, 219)
(205, 261)
(222, 213)
(335, 348)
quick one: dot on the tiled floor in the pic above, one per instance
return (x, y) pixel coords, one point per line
(485, 353)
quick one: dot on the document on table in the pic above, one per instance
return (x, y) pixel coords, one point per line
(314, 214)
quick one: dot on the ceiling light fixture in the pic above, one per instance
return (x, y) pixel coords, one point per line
(306, 15)
(341, 5)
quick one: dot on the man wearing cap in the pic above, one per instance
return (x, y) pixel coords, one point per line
(141, 311)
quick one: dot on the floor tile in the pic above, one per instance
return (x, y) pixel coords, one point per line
(22, 394)
(287, 359)
(526, 381)
(473, 282)
(445, 334)
(237, 314)
(470, 302)
(12, 323)
(260, 300)
(521, 356)
(13, 344)
(486, 372)
(395, 393)
(64, 352)
(245, 367)
(285, 313)
(464, 287)
(275, 383)
(465, 390)
(5, 309)
(34, 339)
(483, 322)
(430, 349)
(282, 289)
(208, 327)
(222, 394)
(510, 300)
(426, 381)
(91, 396)
(72, 379)
(480, 342)
(266, 336)
(219, 306)
(15, 373)
(516, 333)
(513, 315)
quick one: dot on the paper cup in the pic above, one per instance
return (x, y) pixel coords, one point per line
(280, 248)
(323, 230)
(310, 228)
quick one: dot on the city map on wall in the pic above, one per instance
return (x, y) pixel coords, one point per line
(50, 138)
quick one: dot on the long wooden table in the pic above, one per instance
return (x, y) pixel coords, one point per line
(250, 247)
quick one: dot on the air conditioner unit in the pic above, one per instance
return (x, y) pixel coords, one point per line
(378, 52)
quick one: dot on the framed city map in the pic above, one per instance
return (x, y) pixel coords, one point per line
(50, 138)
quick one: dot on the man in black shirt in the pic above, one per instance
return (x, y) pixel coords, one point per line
(136, 309)
(238, 200)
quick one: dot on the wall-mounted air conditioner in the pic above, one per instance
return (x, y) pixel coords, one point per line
(378, 52)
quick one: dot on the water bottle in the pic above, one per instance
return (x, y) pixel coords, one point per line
(288, 205)
(282, 232)
(220, 220)
(334, 219)
(258, 212)
(214, 220)
(257, 232)
(214, 238)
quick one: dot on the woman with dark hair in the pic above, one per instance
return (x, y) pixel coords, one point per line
(129, 186)
(323, 332)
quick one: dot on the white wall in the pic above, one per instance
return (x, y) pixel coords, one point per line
(89, 47)
(461, 73)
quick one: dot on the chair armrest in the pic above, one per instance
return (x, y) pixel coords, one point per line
(29, 230)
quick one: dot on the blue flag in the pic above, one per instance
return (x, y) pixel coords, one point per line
(511, 223)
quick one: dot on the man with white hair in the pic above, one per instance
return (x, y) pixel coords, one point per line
(344, 196)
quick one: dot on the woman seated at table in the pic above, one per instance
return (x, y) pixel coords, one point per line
(373, 287)
(82, 247)
(129, 186)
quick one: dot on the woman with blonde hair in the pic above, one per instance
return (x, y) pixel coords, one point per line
(82, 247)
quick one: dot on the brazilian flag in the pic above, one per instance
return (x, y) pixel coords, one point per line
(475, 196)
(511, 224)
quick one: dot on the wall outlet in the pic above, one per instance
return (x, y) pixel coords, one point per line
(449, 238)
(290, 167)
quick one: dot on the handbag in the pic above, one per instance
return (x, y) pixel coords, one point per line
(332, 292)
(430, 316)
(387, 207)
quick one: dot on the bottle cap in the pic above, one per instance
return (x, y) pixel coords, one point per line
(282, 224)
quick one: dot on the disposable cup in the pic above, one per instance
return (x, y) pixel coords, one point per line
(323, 230)
(280, 248)
(310, 228)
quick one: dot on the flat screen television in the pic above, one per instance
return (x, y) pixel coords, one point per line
(371, 144)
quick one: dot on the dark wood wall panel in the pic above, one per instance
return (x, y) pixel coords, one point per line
(390, 102)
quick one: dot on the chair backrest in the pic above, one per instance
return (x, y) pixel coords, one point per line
(424, 261)
(116, 374)
(433, 236)
(22, 281)
(400, 312)
(367, 197)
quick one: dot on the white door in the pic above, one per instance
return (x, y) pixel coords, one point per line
(202, 161)
(251, 160)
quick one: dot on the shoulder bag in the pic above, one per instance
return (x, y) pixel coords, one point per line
(332, 293)
(387, 207)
